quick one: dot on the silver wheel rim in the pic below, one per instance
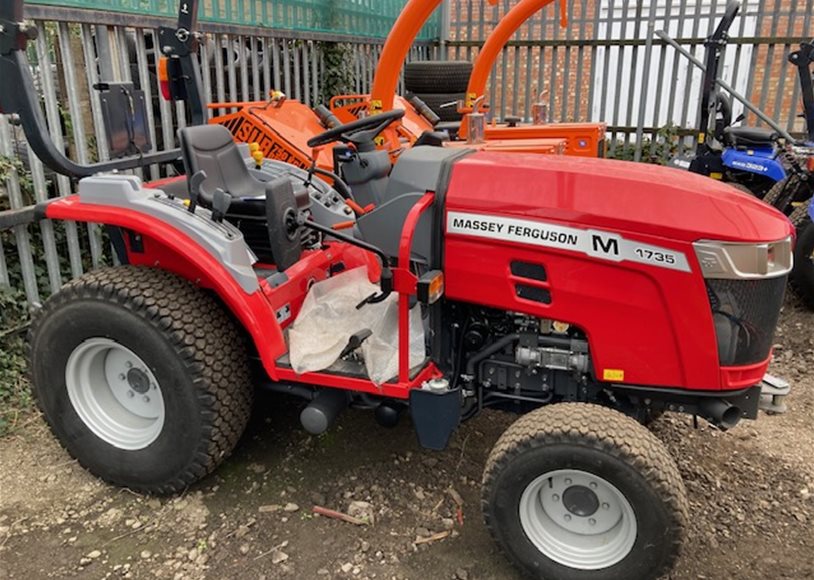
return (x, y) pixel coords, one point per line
(578, 519)
(115, 394)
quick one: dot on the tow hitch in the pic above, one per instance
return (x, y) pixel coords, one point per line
(773, 391)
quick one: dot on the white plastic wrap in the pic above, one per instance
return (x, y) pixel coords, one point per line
(329, 318)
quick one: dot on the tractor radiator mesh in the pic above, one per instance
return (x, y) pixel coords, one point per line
(745, 314)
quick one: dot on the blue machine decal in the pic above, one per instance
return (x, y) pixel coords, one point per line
(811, 210)
(761, 161)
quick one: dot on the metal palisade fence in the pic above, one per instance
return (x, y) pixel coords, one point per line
(608, 64)
(250, 49)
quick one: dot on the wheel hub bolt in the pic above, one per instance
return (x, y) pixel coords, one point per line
(605, 506)
(131, 394)
(593, 485)
(555, 497)
(592, 521)
(128, 364)
(146, 399)
(567, 517)
(122, 377)
(567, 481)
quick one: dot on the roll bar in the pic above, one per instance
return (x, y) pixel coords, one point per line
(396, 48)
(715, 45)
(18, 96)
(180, 45)
(497, 40)
(803, 60)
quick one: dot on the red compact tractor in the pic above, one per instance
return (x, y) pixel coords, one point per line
(588, 295)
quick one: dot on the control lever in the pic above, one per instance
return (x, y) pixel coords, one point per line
(386, 283)
(386, 279)
(355, 341)
(220, 205)
(194, 186)
(315, 152)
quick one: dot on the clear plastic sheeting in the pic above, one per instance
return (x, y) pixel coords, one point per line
(329, 318)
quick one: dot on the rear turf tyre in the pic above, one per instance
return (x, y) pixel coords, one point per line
(141, 376)
(576, 492)
(801, 279)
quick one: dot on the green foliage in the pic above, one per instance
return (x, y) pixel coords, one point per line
(657, 151)
(15, 396)
(8, 166)
(338, 77)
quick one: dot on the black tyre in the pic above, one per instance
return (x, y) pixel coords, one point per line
(575, 491)
(436, 102)
(783, 193)
(437, 76)
(141, 376)
(801, 279)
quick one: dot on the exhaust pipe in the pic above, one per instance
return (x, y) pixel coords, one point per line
(323, 411)
(723, 413)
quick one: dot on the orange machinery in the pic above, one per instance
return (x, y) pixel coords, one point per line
(283, 126)
(584, 139)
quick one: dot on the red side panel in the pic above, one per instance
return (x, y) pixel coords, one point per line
(648, 321)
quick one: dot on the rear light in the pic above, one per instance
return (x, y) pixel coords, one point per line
(164, 78)
(810, 164)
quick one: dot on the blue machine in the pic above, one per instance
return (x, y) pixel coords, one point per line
(762, 161)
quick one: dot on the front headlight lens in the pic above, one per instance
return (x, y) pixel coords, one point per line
(736, 261)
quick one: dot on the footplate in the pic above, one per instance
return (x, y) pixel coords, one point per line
(773, 391)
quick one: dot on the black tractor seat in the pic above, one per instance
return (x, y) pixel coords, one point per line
(255, 207)
(750, 136)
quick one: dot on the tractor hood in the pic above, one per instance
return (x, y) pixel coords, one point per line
(612, 195)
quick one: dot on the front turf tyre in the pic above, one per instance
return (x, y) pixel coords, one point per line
(576, 492)
(141, 376)
(801, 278)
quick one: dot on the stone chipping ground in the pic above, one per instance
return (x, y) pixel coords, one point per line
(751, 493)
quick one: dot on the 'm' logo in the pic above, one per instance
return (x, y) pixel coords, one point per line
(605, 245)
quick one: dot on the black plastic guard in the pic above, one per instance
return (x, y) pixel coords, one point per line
(436, 416)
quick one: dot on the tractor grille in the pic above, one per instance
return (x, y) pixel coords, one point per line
(745, 314)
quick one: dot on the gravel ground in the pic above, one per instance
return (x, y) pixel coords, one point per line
(751, 492)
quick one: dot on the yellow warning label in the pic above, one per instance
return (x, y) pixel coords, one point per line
(613, 375)
(702, 137)
(375, 106)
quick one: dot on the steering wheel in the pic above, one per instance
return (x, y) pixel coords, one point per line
(360, 133)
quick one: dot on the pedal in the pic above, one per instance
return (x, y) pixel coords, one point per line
(773, 392)
(355, 341)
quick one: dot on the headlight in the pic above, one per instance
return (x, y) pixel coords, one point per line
(736, 261)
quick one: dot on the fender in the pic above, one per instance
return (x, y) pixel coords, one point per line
(760, 162)
(173, 250)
